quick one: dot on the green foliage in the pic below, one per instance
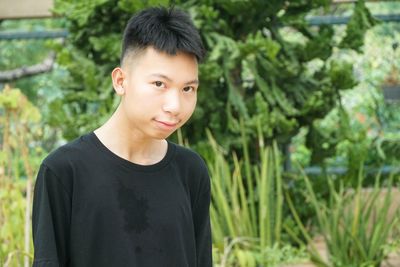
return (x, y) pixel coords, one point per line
(356, 225)
(271, 256)
(324, 137)
(246, 208)
(19, 160)
(21, 53)
(42, 88)
(90, 104)
(364, 128)
(360, 22)
(341, 75)
(320, 46)
(12, 100)
(253, 70)
(12, 219)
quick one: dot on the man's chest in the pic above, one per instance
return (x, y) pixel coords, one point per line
(136, 202)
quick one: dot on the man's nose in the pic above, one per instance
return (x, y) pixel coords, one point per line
(172, 102)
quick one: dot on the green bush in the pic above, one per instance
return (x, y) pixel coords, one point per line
(19, 160)
(356, 225)
(246, 208)
(264, 63)
(12, 220)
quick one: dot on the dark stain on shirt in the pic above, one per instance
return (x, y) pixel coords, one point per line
(134, 208)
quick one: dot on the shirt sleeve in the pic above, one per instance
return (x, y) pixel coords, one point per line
(202, 226)
(51, 213)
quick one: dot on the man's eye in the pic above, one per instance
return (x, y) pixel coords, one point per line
(159, 84)
(188, 89)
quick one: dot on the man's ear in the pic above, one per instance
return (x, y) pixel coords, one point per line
(118, 77)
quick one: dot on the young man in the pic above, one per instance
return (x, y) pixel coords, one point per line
(123, 195)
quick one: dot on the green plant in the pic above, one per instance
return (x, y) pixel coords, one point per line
(12, 220)
(273, 256)
(373, 124)
(19, 158)
(392, 77)
(355, 226)
(246, 208)
(257, 68)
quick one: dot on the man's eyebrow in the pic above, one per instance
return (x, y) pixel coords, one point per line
(159, 75)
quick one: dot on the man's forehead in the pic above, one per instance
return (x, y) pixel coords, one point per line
(134, 55)
(152, 62)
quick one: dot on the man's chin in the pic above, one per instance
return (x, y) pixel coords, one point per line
(162, 136)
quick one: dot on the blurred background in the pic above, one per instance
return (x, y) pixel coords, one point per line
(298, 119)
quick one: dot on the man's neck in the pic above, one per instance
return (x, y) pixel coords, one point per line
(129, 143)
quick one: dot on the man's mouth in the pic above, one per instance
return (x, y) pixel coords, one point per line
(167, 123)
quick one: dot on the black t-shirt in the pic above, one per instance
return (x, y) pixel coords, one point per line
(94, 208)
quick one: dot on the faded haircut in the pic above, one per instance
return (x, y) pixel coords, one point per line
(168, 30)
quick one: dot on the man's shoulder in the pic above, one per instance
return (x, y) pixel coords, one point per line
(67, 153)
(188, 155)
(189, 158)
(194, 165)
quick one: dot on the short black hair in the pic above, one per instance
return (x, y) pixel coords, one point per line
(168, 30)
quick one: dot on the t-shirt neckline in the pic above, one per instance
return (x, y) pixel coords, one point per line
(129, 164)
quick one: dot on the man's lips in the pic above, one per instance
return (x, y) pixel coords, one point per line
(169, 124)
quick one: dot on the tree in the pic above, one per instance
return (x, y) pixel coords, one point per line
(264, 64)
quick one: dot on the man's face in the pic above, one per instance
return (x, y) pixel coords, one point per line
(159, 92)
